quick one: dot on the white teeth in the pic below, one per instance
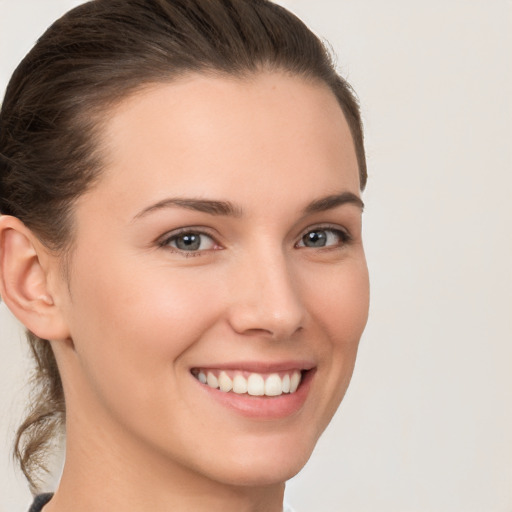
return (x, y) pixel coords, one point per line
(273, 385)
(225, 383)
(294, 382)
(212, 380)
(255, 385)
(239, 385)
(286, 384)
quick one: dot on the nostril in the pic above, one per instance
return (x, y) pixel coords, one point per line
(258, 332)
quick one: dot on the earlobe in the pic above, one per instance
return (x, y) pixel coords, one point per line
(24, 281)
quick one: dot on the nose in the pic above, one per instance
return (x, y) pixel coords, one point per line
(265, 298)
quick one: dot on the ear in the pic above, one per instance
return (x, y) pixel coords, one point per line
(24, 280)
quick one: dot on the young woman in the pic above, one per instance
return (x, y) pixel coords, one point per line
(181, 235)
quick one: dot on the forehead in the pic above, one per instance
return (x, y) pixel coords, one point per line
(202, 133)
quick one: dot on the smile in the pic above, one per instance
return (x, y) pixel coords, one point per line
(250, 383)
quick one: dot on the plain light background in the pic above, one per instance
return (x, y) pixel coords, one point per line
(426, 425)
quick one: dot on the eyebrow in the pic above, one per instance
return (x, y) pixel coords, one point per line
(333, 201)
(226, 208)
(200, 205)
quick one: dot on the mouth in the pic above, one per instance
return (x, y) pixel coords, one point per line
(250, 383)
(258, 391)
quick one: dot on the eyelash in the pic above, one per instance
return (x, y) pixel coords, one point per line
(343, 236)
(168, 239)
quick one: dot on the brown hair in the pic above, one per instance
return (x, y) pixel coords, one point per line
(91, 58)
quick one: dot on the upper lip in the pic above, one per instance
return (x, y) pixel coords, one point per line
(260, 366)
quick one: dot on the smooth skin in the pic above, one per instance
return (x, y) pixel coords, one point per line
(142, 305)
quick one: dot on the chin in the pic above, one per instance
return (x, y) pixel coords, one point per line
(266, 463)
(259, 475)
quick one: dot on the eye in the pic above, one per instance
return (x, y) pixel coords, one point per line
(323, 237)
(190, 241)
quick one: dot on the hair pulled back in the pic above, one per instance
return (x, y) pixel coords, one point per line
(87, 61)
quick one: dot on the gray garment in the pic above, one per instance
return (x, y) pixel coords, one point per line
(40, 501)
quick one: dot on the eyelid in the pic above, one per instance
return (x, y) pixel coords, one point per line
(165, 240)
(339, 230)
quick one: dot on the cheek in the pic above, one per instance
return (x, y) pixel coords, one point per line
(130, 331)
(339, 301)
(133, 325)
(339, 305)
(127, 294)
(349, 314)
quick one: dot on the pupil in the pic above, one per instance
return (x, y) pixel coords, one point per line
(315, 239)
(188, 242)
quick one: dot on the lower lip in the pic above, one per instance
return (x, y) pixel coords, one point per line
(263, 407)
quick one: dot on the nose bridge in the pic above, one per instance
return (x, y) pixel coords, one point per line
(267, 299)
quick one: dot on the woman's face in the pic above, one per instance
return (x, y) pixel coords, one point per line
(223, 242)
